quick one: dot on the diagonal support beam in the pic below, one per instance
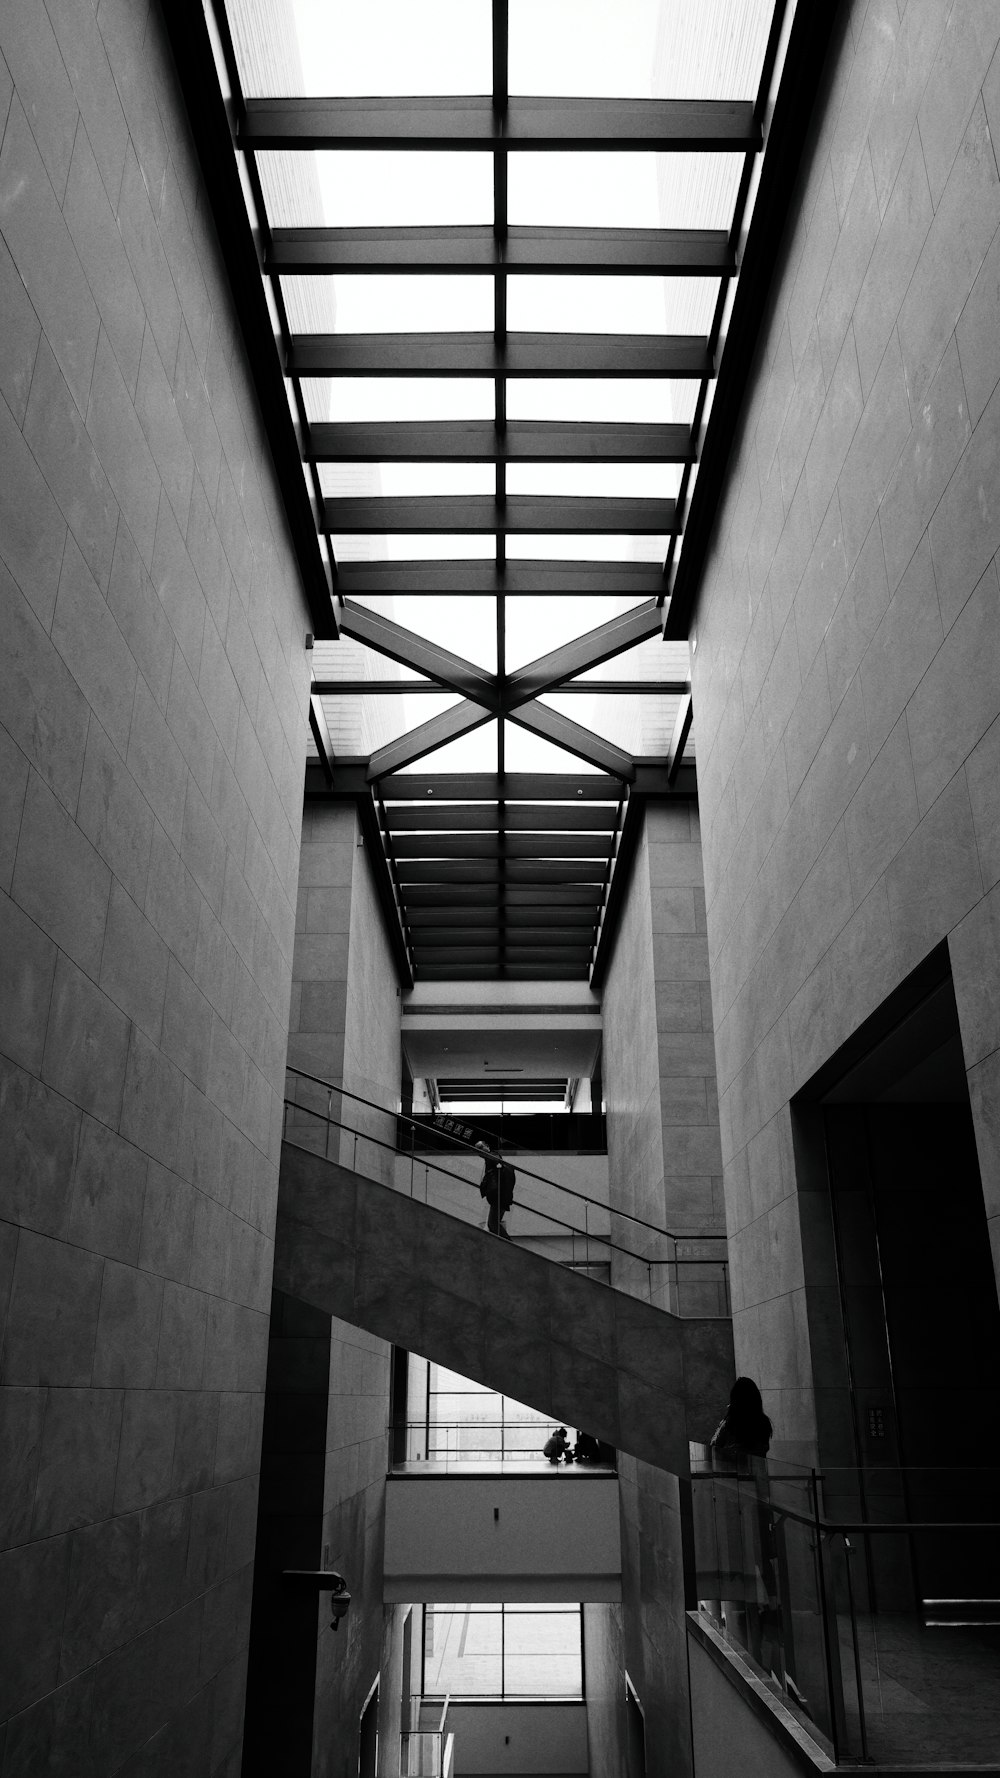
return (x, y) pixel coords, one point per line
(574, 738)
(598, 645)
(400, 644)
(460, 720)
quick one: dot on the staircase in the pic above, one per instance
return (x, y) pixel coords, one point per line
(580, 1351)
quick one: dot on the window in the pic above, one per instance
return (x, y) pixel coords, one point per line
(503, 1651)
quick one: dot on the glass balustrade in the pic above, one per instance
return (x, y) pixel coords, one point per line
(877, 1628)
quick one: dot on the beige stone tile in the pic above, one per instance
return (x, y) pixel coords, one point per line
(965, 222)
(894, 258)
(44, 711)
(875, 48)
(89, 210)
(157, 413)
(849, 264)
(134, 964)
(882, 432)
(883, 812)
(921, 26)
(19, 341)
(902, 648)
(857, 616)
(941, 431)
(114, 814)
(974, 950)
(956, 700)
(122, 449)
(983, 775)
(966, 47)
(93, 647)
(834, 432)
(935, 879)
(59, 879)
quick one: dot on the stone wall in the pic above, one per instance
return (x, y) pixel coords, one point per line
(845, 680)
(323, 1495)
(345, 1017)
(664, 1165)
(153, 688)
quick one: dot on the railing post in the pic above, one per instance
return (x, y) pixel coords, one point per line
(858, 1682)
(825, 1618)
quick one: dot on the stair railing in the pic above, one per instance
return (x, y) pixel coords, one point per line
(689, 1284)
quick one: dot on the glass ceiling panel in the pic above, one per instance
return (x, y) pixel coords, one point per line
(575, 548)
(361, 723)
(399, 398)
(643, 725)
(525, 752)
(431, 479)
(611, 305)
(697, 190)
(618, 481)
(363, 304)
(465, 626)
(350, 659)
(711, 50)
(377, 188)
(596, 190)
(592, 190)
(590, 48)
(394, 46)
(448, 547)
(650, 660)
(655, 401)
(476, 752)
(535, 626)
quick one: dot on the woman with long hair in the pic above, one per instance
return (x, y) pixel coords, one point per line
(744, 1430)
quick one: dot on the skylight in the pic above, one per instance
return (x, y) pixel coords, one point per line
(500, 238)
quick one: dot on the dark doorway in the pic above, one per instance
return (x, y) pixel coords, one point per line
(368, 1738)
(636, 1730)
(918, 1301)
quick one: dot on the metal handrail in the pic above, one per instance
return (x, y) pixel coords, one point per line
(602, 1241)
(843, 1526)
(471, 1149)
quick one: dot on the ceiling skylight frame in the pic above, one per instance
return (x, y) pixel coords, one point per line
(500, 126)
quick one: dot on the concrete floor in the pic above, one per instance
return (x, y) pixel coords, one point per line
(930, 1695)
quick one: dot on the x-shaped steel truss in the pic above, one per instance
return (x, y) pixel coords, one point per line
(549, 854)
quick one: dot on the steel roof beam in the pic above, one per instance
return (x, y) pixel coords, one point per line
(518, 870)
(524, 895)
(477, 441)
(525, 787)
(518, 515)
(446, 919)
(532, 125)
(471, 251)
(487, 845)
(616, 355)
(470, 816)
(479, 578)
